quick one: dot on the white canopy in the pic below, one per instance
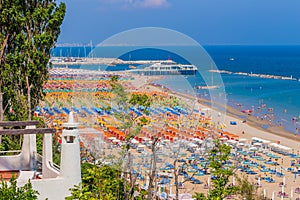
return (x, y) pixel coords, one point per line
(253, 149)
(275, 145)
(242, 140)
(261, 140)
(257, 144)
(134, 141)
(232, 141)
(116, 140)
(241, 144)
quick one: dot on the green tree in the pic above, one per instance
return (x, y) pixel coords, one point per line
(10, 22)
(10, 191)
(104, 183)
(221, 187)
(219, 155)
(131, 122)
(247, 190)
(29, 30)
(199, 196)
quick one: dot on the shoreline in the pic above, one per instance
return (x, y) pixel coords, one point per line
(251, 120)
(247, 131)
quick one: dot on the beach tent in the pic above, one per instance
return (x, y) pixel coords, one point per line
(232, 141)
(241, 144)
(278, 146)
(243, 140)
(257, 144)
(253, 149)
(111, 138)
(256, 139)
(134, 141)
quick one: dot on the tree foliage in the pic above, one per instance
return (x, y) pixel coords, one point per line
(219, 155)
(104, 183)
(10, 191)
(221, 187)
(247, 190)
(28, 32)
(131, 122)
(124, 101)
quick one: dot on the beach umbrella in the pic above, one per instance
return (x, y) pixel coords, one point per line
(259, 181)
(273, 195)
(253, 149)
(265, 193)
(258, 144)
(241, 144)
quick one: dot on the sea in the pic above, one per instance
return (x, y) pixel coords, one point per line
(263, 79)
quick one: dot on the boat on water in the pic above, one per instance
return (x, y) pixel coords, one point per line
(166, 68)
(207, 87)
(132, 67)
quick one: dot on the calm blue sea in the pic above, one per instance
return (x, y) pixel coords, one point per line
(283, 96)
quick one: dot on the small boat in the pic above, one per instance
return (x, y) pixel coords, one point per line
(208, 87)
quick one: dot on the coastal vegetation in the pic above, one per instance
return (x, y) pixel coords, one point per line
(10, 191)
(103, 183)
(108, 181)
(218, 156)
(28, 33)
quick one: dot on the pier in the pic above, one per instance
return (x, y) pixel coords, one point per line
(67, 61)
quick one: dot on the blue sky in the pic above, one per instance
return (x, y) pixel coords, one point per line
(272, 22)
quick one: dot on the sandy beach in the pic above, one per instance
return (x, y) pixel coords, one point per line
(248, 128)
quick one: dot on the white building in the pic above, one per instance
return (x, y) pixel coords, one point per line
(51, 182)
